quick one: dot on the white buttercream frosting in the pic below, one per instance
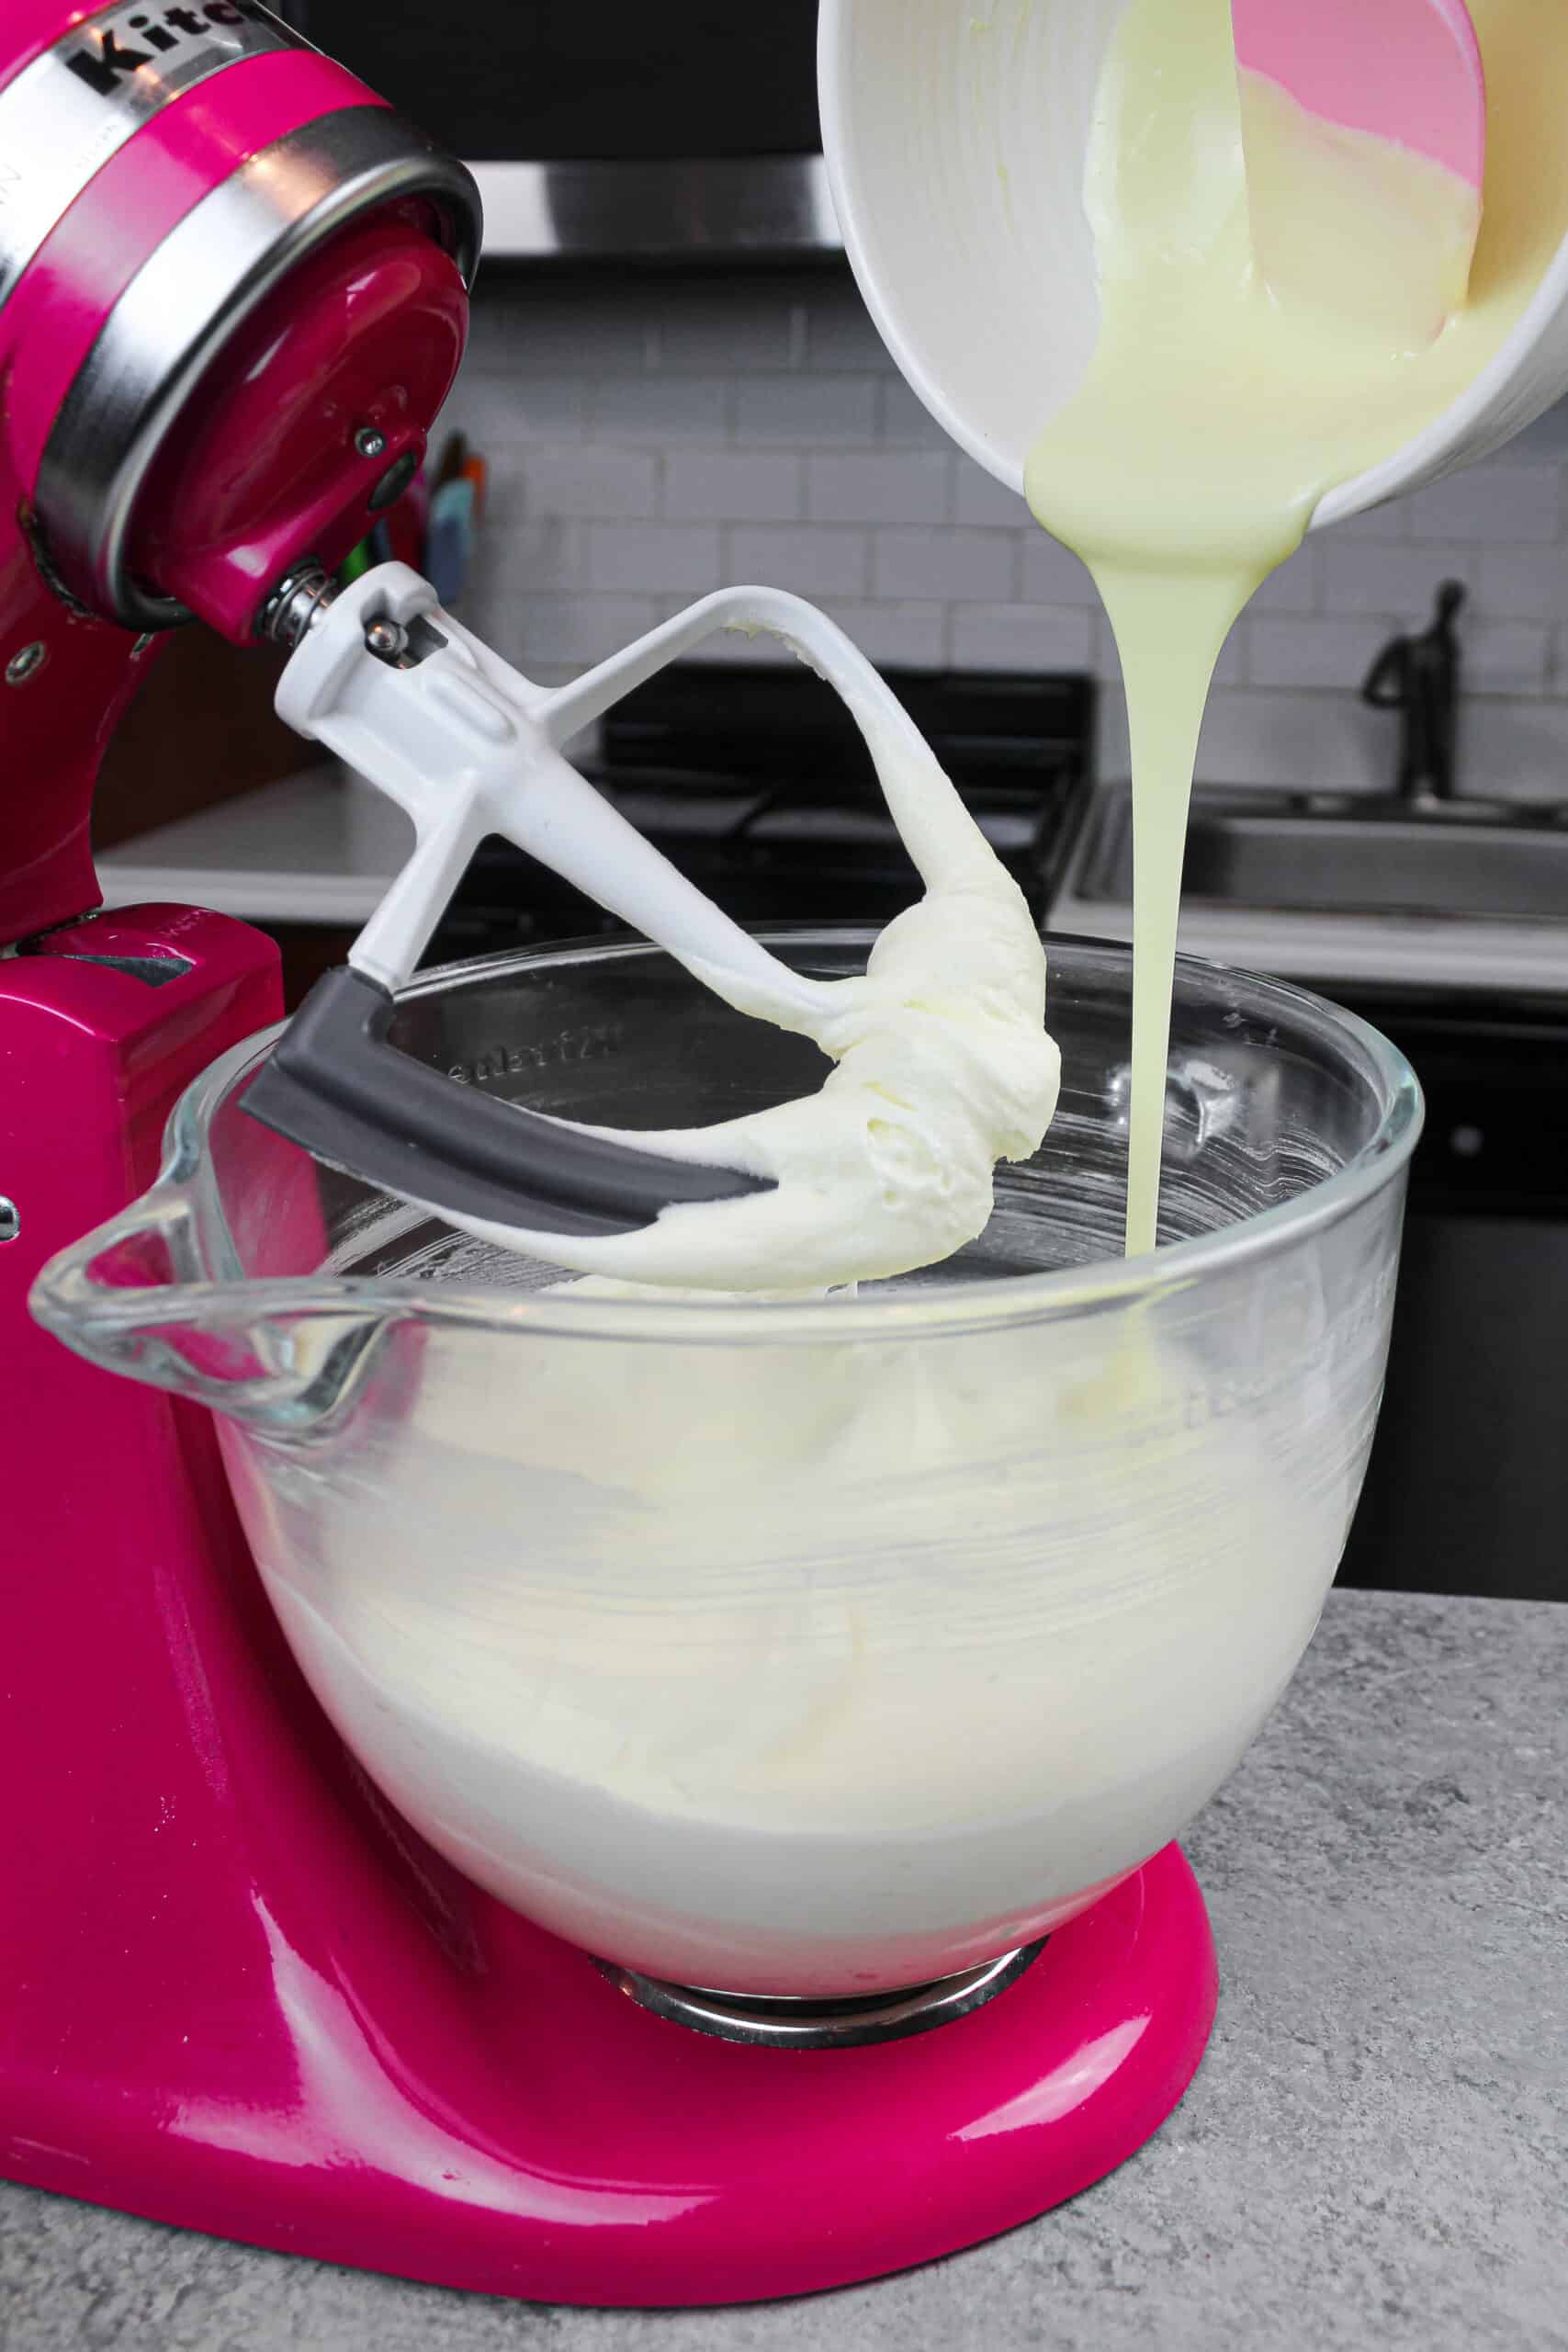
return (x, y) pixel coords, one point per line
(942, 1067)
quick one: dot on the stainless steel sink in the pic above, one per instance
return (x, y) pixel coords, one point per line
(1287, 855)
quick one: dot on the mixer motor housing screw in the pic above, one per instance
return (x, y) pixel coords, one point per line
(27, 664)
(10, 1219)
(369, 443)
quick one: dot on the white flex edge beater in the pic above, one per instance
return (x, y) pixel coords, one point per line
(943, 1067)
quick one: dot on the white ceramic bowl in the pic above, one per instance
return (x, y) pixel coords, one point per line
(955, 134)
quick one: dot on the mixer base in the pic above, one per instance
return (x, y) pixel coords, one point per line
(615, 2157)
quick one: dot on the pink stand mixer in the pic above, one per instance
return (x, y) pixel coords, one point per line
(238, 1993)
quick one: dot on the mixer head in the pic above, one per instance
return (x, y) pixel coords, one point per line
(233, 297)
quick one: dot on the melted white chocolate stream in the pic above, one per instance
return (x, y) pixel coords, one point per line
(1219, 409)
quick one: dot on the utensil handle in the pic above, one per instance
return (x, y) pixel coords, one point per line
(135, 1297)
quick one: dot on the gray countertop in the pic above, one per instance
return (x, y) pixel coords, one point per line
(1374, 2153)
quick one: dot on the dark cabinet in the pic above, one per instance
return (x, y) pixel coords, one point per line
(1468, 1488)
(575, 81)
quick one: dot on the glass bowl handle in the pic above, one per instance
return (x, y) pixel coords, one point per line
(135, 1297)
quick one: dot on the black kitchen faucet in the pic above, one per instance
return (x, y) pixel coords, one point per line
(1419, 677)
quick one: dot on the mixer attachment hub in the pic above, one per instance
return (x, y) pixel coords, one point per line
(301, 597)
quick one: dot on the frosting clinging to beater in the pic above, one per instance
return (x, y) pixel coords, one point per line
(942, 1067)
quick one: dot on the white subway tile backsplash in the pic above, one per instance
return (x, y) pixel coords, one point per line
(810, 560)
(1402, 583)
(896, 636)
(1388, 525)
(541, 631)
(1506, 658)
(589, 481)
(882, 486)
(1516, 750)
(1052, 574)
(497, 410)
(659, 409)
(518, 555)
(1230, 670)
(721, 328)
(903, 421)
(1296, 587)
(656, 559)
(1488, 503)
(534, 333)
(734, 486)
(649, 440)
(1022, 637)
(1280, 741)
(983, 501)
(1547, 437)
(840, 333)
(1305, 651)
(1524, 583)
(815, 412)
(949, 566)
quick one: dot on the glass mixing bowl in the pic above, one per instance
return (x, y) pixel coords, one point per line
(809, 1649)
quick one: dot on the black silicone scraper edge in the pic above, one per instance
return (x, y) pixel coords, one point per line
(337, 1086)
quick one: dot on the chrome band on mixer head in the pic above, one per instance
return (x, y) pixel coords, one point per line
(207, 277)
(72, 108)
